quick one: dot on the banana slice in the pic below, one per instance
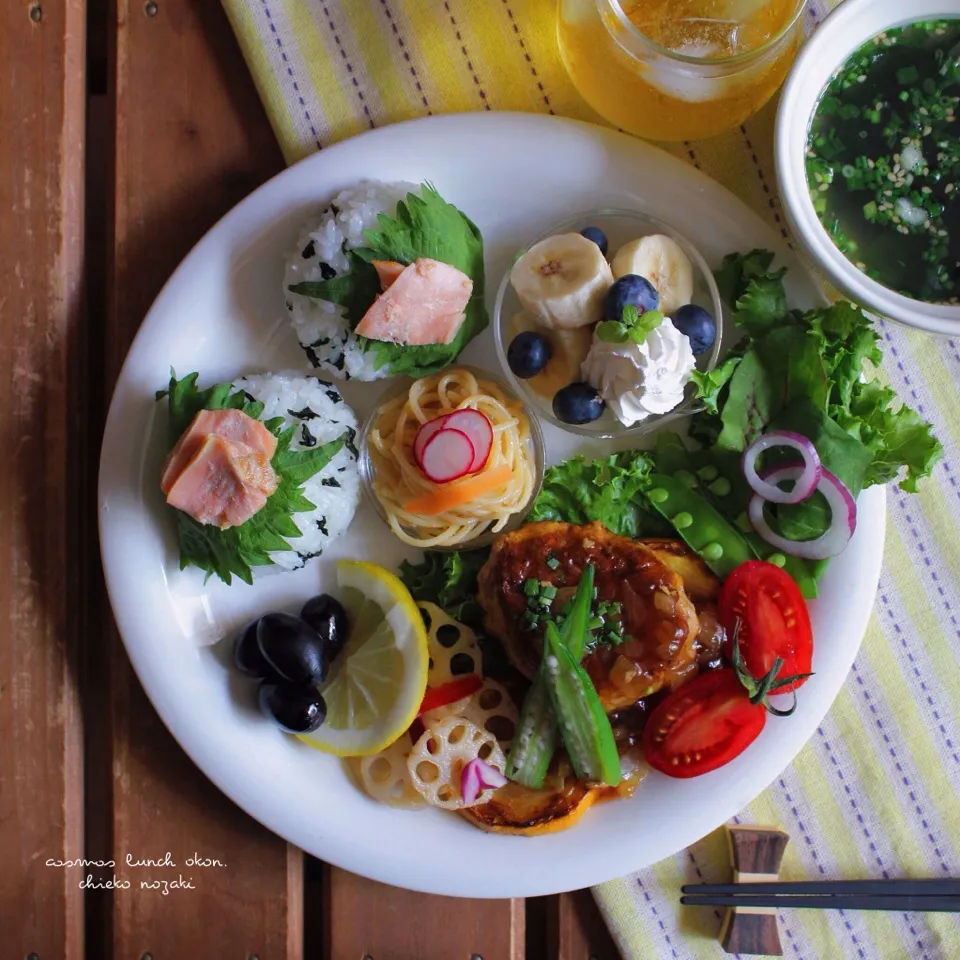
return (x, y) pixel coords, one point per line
(662, 261)
(562, 280)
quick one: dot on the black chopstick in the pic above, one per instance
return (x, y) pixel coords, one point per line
(898, 903)
(915, 888)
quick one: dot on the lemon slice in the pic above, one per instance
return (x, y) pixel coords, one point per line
(377, 682)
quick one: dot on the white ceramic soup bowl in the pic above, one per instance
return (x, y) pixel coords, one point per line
(847, 28)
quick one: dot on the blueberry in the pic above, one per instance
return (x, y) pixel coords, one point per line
(630, 290)
(528, 354)
(577, 403)
(327, 616)
(597, 236)
(292, 649)
(297, 707)
(698, 325)
(247, 657)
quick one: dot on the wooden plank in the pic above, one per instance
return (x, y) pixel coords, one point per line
(41, 254)
(580, 930)
(370, 920)
(191, 140)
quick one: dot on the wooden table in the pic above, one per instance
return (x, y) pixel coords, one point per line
(128, 128)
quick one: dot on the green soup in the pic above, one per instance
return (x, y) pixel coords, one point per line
(883, 159)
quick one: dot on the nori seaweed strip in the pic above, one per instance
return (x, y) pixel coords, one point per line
(305, 414)
(307, 439)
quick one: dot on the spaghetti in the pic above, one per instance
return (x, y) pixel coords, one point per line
(401, 486)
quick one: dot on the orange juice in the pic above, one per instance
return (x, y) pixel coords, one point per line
(678, 69)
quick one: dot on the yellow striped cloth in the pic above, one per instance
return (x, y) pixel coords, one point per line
(876, 792)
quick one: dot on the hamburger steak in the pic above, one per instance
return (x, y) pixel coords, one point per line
(660, 623)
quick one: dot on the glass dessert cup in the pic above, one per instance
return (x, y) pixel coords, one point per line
(509, 318)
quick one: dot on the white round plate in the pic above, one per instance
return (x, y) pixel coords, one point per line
(222, 314)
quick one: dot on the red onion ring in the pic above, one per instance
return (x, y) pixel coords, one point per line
(806, 481)
(843, 518)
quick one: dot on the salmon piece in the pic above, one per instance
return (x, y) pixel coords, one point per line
(387, 271)
(233, 425)
(224, 484)
(423, 305)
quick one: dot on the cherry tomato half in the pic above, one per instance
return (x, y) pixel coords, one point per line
(702, 725)
(773, 620)
(449, 692)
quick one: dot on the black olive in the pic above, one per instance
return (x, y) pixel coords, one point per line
(327, 616)
(297, 707)
(247, 657)
(292, 649)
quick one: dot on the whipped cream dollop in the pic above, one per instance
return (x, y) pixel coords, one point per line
(640, 379)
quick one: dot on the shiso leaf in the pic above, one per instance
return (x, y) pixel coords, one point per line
(355, 290)
(424, 225)
(236, 550)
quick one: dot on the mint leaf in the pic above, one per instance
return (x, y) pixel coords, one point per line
(610, 331)
(236, 550)
(630, 315)
(354, 290)
(648, 321)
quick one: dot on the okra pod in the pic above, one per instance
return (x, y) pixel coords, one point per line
(536, 737)
(586, 730)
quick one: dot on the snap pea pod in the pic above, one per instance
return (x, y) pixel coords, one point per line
(704, 529)
(586, 731)
(536, 738)
(671, 455)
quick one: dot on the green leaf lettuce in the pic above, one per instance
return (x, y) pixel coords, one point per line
(825, 358)
(608, 490)
(448, 580)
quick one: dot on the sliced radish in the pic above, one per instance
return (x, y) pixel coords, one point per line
(447, 456)
(478, 430)
(426, 431)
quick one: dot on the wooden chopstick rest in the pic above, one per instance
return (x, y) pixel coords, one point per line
(755, 855)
